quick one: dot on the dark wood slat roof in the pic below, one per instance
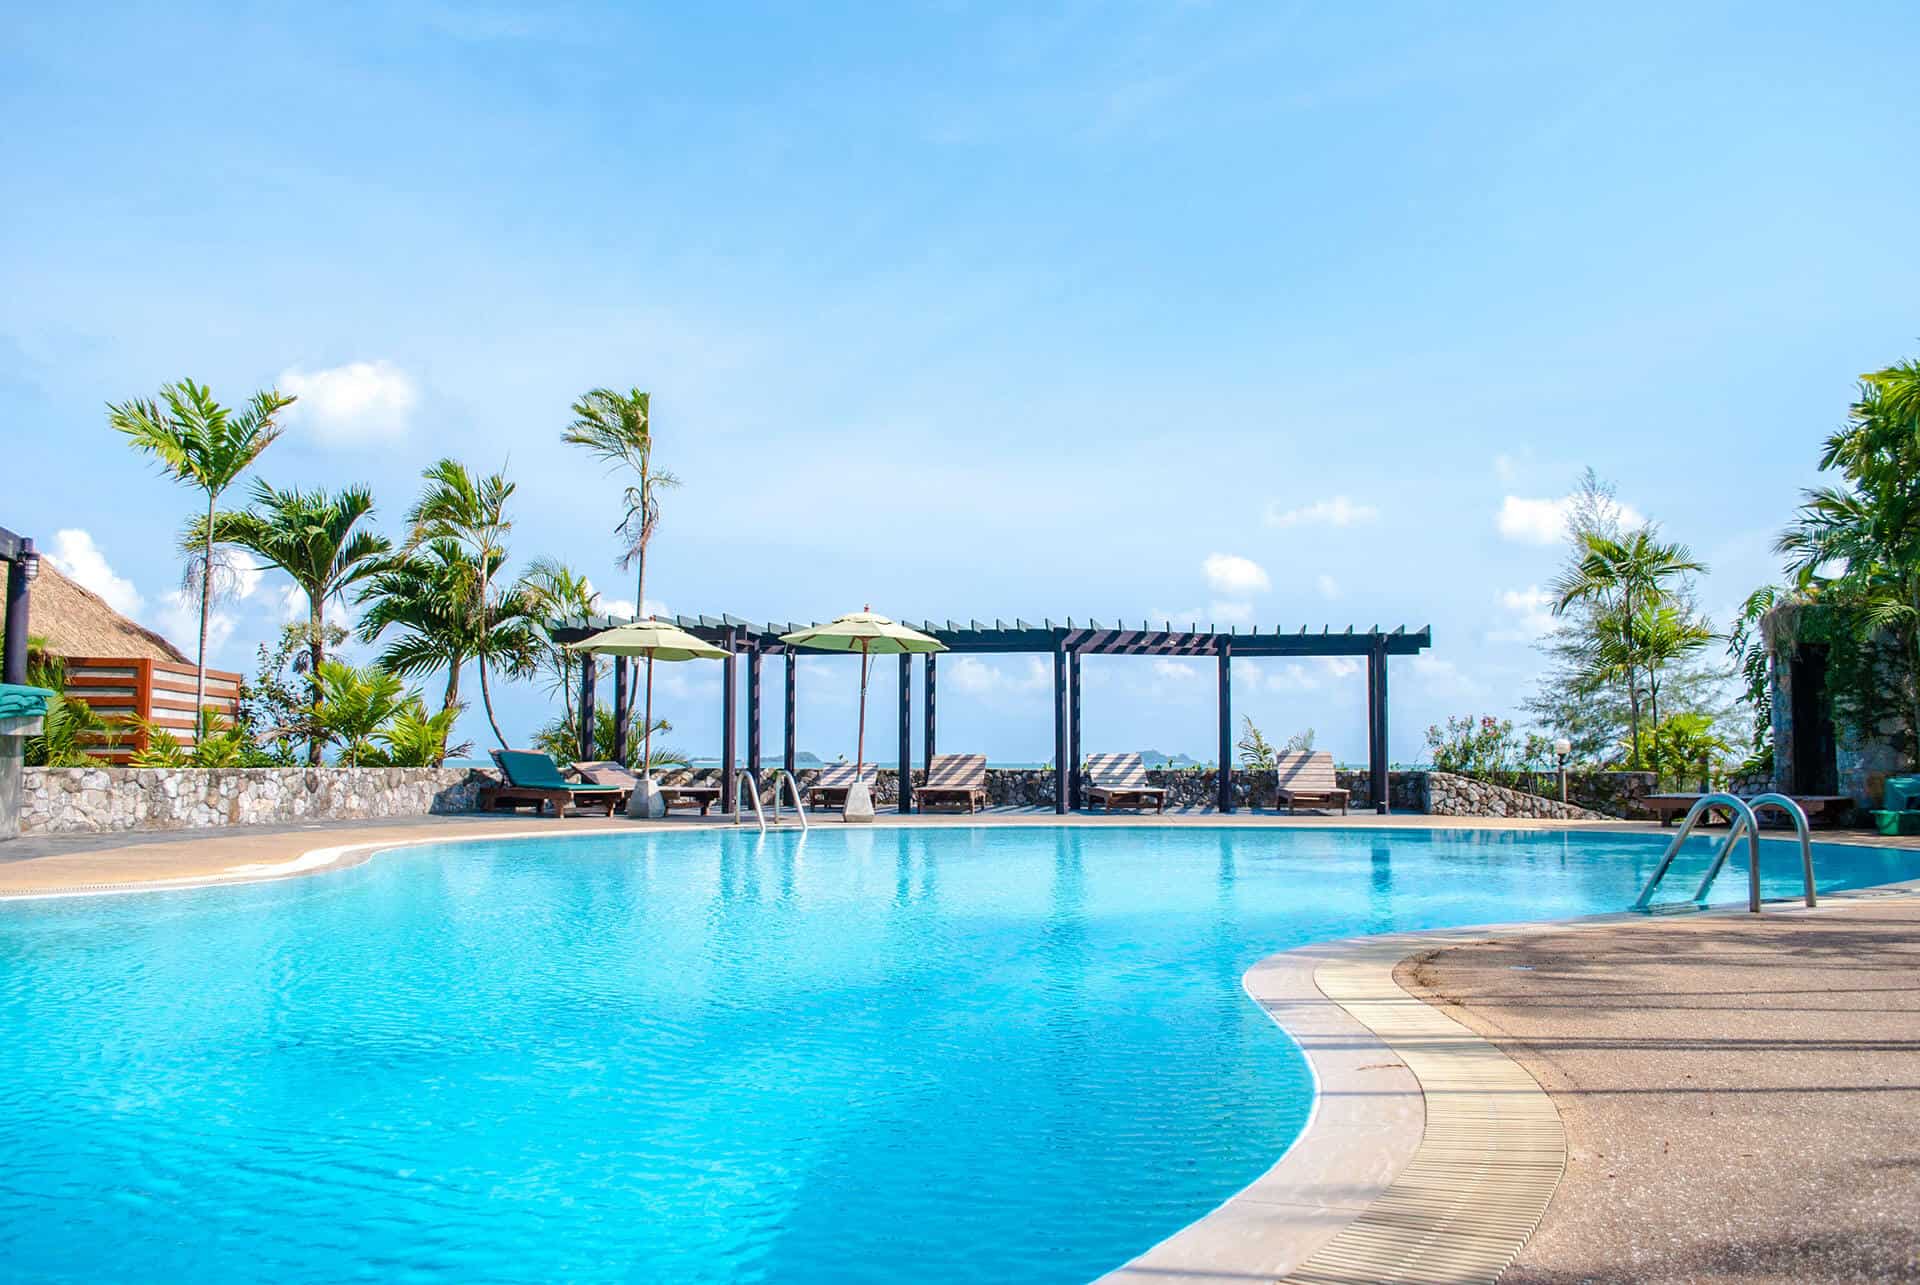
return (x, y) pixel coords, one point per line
(1088, 638)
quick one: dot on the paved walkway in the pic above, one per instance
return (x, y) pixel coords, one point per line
(1741, 1094)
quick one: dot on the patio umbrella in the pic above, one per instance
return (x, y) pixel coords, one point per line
(870, 635)
(656, 640)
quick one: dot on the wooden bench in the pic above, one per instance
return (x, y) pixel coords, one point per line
(956, 779)
(829, 789)
(1818, 807)
(1306, 777)
(1120, 781)
(674, 796)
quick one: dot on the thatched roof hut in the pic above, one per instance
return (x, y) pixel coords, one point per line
(78, 622)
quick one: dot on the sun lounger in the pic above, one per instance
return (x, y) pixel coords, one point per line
(1818, 807)
(829, 789)
(1306, 777)
(1120, 780)
(675, 796)
(531, 778)
(956, 779)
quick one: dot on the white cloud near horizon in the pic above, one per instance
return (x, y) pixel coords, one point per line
(1544, 521)
(76, 554)
(360, 403)
(1338, 511)
(1231, 574)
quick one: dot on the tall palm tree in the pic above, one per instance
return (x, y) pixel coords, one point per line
(311, 536)
(471, 511)
(1622, 576)
(618, 428)
(200, 443)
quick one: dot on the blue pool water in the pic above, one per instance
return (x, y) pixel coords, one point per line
(954, 1054)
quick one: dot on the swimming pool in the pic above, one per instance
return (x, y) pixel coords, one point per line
(987, 1053)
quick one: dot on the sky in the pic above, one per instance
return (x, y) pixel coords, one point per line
(1275, 314)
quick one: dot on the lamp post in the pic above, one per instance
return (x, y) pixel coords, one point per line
(1562, 750)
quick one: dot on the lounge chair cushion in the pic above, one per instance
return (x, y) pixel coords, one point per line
(532, 770)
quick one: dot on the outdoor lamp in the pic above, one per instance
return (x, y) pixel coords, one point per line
(1563, 749)
(30, 563)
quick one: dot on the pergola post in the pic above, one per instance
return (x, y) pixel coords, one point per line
(1059, 730)
(1223, 776)
(753, 712)
(620, 710)
(906, 732)
(792, 742)
(729, 734)
(926, 701)
(1377, 726)
(1073, 730)
(586, 729)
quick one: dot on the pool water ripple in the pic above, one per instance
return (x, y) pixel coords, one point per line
(978, 1054)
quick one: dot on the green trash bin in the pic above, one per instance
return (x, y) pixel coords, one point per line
(1906, 821)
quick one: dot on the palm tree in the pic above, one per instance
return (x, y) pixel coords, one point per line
(1622, 576)
(618, 428)
(471, 511)
(311, 536)
(352, 705)
(558, 592)
(201, 443)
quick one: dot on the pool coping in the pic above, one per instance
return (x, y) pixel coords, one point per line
(1429, 1153)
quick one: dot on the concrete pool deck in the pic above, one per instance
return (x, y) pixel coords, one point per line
(1445, 1072)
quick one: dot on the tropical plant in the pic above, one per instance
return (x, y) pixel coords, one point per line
(415, 738)
(276, 706)
(556, 592)
(1856, 546)
(561, 740)
(1486, 748)
(1622, 578)
(353, 705)
(70, 731)
(470, 511)
(422, 596)
(202, 444)
(1256, 751)
(618, 428)
(317, 539)
(1299, 743)
(218, 743)
(1686, 743)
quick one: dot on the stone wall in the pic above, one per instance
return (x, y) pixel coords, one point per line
(83, 800)
(1448, 795)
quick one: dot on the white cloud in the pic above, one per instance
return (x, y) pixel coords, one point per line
(75, 553)
(1230, 613)
(1328, 586)
(1179, 670)
(1341, 666)
(623, 607)
(239, 575)
(1541, 521)
(1229, 573)
(977, 677)
(1338, 511)
(293, 608)
(1534, 608)
(358, 403)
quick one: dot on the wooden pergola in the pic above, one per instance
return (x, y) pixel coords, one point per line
(1065, 643)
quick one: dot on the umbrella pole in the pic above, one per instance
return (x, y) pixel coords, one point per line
(646, 733)
(860, 744)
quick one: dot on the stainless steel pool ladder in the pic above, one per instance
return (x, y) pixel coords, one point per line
(748, 781)
(782, 777)
(741, 781)
(1743, 821)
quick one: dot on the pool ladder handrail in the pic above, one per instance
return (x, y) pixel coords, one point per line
(741, 780)
(1743, 811)
(780, 776)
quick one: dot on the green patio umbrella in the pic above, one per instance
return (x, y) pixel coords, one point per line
(869, 635)
(656, 640)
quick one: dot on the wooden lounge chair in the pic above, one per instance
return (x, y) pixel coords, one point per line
(956, 779)
(531, 778)
(675, 796)
(1306, 776)
(1818, 807)
(829, 789)
(1120, 780)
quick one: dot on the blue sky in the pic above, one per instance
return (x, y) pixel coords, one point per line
(1268, 313)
